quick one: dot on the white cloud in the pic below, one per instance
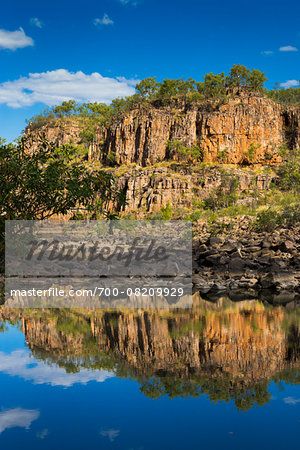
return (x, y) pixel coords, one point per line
(267, 52)
(291, 400)
(104, 21)
(17, 417)
(288, 48)
(20, 363)
(56, 86)
(14, 39)
(36, 22)
(289, 83)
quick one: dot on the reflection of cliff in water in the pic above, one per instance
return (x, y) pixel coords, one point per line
(226, 350)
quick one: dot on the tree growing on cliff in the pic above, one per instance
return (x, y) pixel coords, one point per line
(176, 88)
(289, 172)
(242, 76)
(148, 88)
(66, 109)
(238, 76)
(250, 155)
(257, 80)
(176, 149)
(213, 85)
(289, 96)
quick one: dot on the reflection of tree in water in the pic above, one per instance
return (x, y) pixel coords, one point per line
(218, 390)
(229, 352)
(3, 327)
(293, 343)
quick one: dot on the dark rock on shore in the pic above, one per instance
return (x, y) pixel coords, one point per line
(248, 260)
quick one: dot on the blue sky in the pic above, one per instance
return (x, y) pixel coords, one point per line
(96, 50)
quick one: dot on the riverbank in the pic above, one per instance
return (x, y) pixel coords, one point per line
(246, 259)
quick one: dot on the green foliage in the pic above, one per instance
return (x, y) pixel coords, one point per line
(289, 171)
(66, 109)
(38, 184)
(271, 219)
(213, 85)
(87, 135)
(289, 96)
(176, 148)
(225, 195)
(148, 88)
(223, 155)
(268, 220)
(175, 88)
(94, 113)
(257, 80)
(119, 105)
(241, 76)
(283, 150)
(291, 215)
(94, 110)
(40, 120)
(166, 212)
(71, 154)
(111, 158)
(250, 154)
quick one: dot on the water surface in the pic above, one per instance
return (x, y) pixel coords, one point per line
(223, 375)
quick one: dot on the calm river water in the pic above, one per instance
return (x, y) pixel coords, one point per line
(221, 375)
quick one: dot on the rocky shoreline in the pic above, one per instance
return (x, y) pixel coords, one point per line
(248, 260)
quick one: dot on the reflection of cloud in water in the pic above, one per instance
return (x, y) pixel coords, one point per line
(291, 400)
(17, 417)
(20, 363)
(42, 434)
(110, 433)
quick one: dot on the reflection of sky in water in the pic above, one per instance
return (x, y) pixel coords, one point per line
(17, 417)
(20, 363)
(101, 411)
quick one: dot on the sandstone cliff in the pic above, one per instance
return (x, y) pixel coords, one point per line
(140, 136)
(142, 146)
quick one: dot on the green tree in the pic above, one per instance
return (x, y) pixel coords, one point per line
(148, 88)
(250, 154)
(41, 183)
(257, 80)
(174, 88)
(290, 96)
(238, 76)
(99, 110)
(65, 109)
(213, 85)
(289, 172)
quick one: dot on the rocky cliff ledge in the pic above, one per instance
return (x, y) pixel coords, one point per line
(231, 126)
(157, 152)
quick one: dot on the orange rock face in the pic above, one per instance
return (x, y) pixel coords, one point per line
(245, 129)
(224, 132)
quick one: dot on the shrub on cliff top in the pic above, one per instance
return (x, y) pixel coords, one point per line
(290, 96)
(241, 76)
